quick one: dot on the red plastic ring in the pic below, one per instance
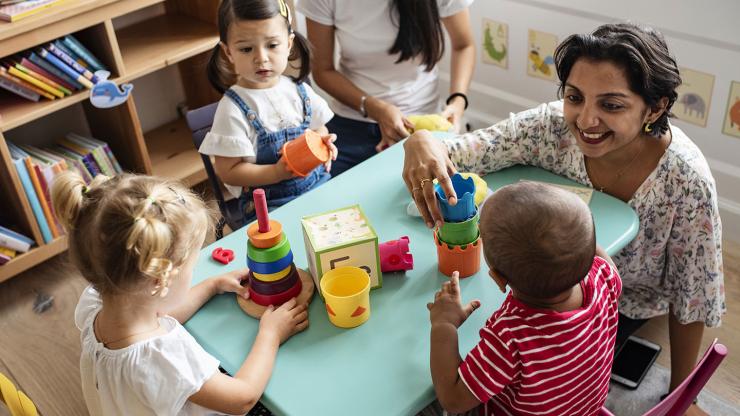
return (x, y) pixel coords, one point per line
(278, 299)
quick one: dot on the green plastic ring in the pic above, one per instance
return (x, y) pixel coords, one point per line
(269, 255)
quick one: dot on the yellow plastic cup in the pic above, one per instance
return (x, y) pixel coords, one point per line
(346, 292)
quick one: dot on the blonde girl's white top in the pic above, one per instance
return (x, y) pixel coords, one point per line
(278, 107)
(151, 377)
(365, 32)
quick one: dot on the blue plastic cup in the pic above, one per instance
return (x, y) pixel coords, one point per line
(465, 191)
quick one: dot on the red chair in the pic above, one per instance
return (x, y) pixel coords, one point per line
(681, 398)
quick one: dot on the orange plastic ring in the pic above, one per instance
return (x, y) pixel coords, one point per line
(268, 239)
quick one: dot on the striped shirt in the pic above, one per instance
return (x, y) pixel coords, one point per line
(543, 362)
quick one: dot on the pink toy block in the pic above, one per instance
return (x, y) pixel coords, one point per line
(395, 256)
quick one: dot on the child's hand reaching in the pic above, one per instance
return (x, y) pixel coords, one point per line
(447, 307)
(329, 140)
(231, 282)
(287, 320)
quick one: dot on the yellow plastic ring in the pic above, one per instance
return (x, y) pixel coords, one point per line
(271, 277)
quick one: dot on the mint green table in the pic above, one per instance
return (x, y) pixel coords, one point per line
(382, 366)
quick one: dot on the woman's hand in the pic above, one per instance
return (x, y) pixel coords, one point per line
(393, 124)
(329, 140)
(231, 282)
(426, 159)
(454, 112)
(287, 320)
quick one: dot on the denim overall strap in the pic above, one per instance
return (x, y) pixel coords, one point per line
(306, 106)
(250, 114)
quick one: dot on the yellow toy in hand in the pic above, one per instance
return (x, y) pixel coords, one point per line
(431, 122)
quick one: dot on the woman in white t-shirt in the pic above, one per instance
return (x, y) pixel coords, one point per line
(263, 109)
(387, 69)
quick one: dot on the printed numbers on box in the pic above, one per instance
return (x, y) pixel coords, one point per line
(333, 263)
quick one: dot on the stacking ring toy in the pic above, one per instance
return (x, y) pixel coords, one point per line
(272, 276)
(273, 288)
(265, 239)
(273, 267)
(278, 299)
(269, 255)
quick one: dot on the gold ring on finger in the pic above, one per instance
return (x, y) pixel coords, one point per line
(423, 181)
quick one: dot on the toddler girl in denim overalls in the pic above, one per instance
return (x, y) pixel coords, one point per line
(264, 109)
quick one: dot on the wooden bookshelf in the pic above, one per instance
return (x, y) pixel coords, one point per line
(173, 155)
(33, 257)
(182, 36)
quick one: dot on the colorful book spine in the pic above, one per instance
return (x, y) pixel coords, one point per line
(106, 148)
(80, 50)
(19, 89)
(59, 44)
(15, 241)
(14, 12)
(4, 259)
(86, 156)
(7, 252)
(71, 62)
(73, 161)
(19, 242)
(97, 151)
(33, 67)
(54, 70)
(4, 74)
(37, 83)
(64, 67)
(35, 180)
(43, 79)
(33, 200)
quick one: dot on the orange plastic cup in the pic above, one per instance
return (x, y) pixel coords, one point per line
(305, 153)
(463, 258)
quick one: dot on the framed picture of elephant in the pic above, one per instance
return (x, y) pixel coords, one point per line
(731, 125)
(694, 97)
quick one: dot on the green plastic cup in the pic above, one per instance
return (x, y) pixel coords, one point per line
(459, 233)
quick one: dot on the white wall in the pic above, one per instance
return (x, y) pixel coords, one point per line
(704, 36)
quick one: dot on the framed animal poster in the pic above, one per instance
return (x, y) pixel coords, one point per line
(540, 49)
(731, 126)
(495, 43)
(694, 97)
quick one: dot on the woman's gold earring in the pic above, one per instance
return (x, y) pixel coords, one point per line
(648, 127)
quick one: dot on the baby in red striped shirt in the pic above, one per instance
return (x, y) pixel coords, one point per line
(548, 349)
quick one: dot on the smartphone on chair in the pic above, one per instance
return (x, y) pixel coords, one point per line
(633, 360)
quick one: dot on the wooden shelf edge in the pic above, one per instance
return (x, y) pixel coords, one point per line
(33, 257)
(84, 12)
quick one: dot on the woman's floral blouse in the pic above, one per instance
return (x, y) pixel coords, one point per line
(676, 258)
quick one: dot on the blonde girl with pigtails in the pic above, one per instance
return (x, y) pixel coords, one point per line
(136, 239)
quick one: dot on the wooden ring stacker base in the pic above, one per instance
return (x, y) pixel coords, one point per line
(254, 310)
(268, 239)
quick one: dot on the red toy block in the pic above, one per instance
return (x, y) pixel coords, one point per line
(222, 255)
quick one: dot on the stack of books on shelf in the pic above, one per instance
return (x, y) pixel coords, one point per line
(37, 168)
(12, 244)
(13, 10)
(53, 70)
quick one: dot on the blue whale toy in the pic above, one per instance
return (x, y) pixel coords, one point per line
(106, 94)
